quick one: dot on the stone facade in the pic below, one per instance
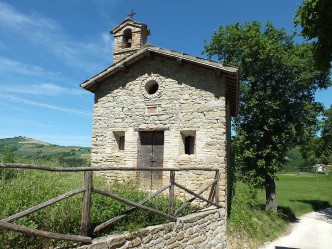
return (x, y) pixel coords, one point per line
(189, 101)
(156, 107)
(195, 231)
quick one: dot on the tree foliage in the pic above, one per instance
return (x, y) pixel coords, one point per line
(325, 146)
(277, 108)
(319, 148)
(315, 17)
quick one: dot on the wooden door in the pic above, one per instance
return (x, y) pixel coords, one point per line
(151, 154)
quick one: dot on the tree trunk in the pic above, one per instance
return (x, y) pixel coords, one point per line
(270, 190)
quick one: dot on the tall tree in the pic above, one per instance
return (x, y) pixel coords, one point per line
(315, 18)
(277, 109)
(325, 150)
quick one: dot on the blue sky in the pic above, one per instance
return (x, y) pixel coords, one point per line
(47, 48)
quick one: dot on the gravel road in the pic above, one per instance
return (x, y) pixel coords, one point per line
(312, 231)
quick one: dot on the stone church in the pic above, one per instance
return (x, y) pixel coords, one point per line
(156, 107)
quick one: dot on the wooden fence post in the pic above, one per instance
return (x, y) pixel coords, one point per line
(216, 191)
(171, 193)
(86, 203)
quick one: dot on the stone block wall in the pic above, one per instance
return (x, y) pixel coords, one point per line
(190, 99)
(139, 36)
(203, 230)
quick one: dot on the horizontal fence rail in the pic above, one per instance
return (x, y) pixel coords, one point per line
(102, 168)
(88, 190)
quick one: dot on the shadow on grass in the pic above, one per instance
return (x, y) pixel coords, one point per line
(282, 247)
(327, 212)
(287, 214)
(284, 213)
(316, 204)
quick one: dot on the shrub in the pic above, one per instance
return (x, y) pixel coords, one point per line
(31, 187)
(7, 174)
(249, 220)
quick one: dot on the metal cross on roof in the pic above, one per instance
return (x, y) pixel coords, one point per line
(131, 15)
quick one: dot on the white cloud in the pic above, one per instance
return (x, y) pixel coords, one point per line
(108, 43)
(89, 56)
(12, 70)
(37, 103)
(8, 107)
(9, 65)
(24, 122)
(18, 21)
(41, 89)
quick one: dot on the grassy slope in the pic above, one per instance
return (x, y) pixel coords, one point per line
(28, 147)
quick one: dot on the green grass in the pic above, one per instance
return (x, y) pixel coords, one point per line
(302, 193)
(297, 194)
(22, 189)
(248, 223)
(26, 188)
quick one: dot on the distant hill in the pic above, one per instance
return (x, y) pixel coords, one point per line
(29, 147)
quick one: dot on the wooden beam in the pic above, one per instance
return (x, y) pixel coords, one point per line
(80, 169)
(232, 77)
(171, 193)
(216, 191)
(126, 213)
(42, 205)
(134, 204)
(198, 196)
(86, 205)
(180, 61)
(212, 193)
(40, 233)
(152, 129)
(192, 199)
(231, 90)
(150, 54)
(123, 68)
(217, 72)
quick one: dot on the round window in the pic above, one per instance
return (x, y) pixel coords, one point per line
(151, 87)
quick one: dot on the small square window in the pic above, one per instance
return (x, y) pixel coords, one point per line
(120, 139)
(189, 145)
(121, 143)
(188, 142)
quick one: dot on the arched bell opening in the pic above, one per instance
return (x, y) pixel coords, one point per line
(127, 38)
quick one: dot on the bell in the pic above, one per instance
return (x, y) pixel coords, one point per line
(129, 40)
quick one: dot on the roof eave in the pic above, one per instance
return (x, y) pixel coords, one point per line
(164, 52)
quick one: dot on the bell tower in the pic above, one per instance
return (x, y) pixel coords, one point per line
(129, 36)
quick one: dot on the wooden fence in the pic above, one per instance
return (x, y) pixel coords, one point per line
(88, 189)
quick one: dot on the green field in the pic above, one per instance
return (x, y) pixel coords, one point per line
(303, 193)
(297, 194)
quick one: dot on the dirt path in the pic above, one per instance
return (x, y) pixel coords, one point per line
(313, 231)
